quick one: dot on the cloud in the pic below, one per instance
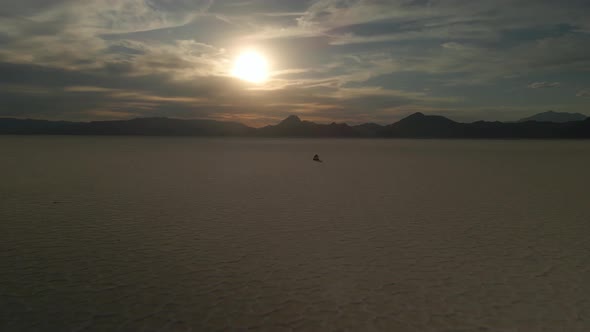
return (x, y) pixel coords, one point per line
(81, 95)
(332, 59)
(82, 88)
(543, 85)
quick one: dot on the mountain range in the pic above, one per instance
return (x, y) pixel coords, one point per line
(416, 125)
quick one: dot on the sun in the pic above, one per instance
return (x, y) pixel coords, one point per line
(251, 66)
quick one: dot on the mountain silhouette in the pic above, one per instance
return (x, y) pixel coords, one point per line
(558, 117)
(416, 125)
(423, 126)
(291, 120)
(140, 126)
(369, 130)
(292, 126)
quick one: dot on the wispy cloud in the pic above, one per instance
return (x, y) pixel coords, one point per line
(543, 85)
(82, 88)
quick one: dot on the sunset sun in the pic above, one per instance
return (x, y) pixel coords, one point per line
(251, 66)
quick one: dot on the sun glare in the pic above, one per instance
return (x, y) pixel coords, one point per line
(251, 66)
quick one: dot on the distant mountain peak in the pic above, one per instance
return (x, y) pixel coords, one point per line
(421, 118)
(557, 117)
(291, 119)
(416, 115)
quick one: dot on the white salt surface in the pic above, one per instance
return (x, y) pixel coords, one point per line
(185, 234)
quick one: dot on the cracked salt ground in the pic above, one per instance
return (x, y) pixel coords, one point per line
(182, 234)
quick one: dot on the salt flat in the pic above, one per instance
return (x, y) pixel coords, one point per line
(180, 234)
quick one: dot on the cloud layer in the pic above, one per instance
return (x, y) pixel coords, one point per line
(332, 60)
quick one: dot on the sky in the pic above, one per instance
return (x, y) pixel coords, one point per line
(351, 61)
